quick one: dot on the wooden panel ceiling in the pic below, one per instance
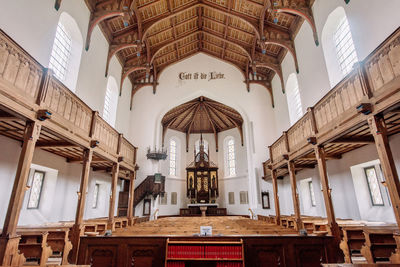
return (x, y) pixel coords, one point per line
(202, 115)
(149, 35)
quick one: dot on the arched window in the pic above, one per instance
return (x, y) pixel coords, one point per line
(293, 99)
(66, 54)
(230, 157)
(172, 157)
(111, 101)
(197, 146)
(339, 50)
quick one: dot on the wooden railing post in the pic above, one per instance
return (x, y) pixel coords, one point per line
(44, 84)
(95, 114)
(364, 80)
(285, 136)
(78, 226)
(9, 239)
(323, 174)
(131, 198)
(270, 155)
(378, 129)
(297, 217)
(276, 197)
(113, 196)
(314, 128)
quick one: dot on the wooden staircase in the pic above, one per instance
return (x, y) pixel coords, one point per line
(147, 187)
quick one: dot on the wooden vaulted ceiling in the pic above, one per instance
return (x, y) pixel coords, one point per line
(202, 115)
(147, 36)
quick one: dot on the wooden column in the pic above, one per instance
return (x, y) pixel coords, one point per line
(9, 240)
(131, 215)
(297, 217)
(111, 210)
(78, 228)
(378, 129)
(276, 197)
(323, 174)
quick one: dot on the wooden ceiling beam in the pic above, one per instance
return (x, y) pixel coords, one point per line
(213, 127)
(229, 4)
(138, 17)
(230, 26)
(187, 20)
(266, 6)
(275, 67)
(114, 49)
(305, 13)
(128, 71)
(250, 21)
(54, 144)
(287, 44)
(97, 17)
(166, 16)
(209, 5)
(354, 141)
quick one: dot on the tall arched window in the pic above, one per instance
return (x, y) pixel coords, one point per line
(66, 54)
(230, 157)
(293, 99)
(172, 157)
(197, 146)
(111, 101)
(339, 50)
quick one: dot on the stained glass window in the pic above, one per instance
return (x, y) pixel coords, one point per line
(36, 190)
(345, 50)
(172, 157)
(373, 185)
(61, 53)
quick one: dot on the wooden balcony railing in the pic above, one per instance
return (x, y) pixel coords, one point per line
(20, 74)
(66, 108)
(28, 88)
(105, 134)
(372, 81)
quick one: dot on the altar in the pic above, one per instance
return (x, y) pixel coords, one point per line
(203, 207)
(202, 186)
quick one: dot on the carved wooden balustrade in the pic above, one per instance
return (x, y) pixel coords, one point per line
(30, 91)
(373, 83)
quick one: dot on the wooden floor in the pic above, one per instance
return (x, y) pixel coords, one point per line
(189, 226)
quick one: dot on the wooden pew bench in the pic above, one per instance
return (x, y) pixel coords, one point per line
(379, 244)
(57, 240)
(33, 245)
(352, 241)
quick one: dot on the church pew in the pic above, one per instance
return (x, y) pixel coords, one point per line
(372, 242)
(57, 240)
(34, 246)
(379, 244)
